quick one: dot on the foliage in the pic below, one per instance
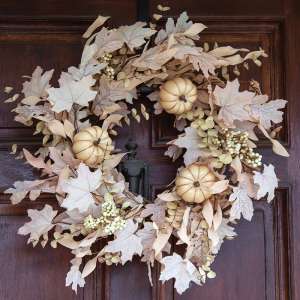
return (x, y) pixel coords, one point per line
(219, 131)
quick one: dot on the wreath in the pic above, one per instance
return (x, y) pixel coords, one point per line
(218, 123)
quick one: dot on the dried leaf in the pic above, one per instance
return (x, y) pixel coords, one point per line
(134, 35)
(74, 278)
(232, 103)
(127, 242)
(71, 92)
(40, 224)
(57, 128)
(80, 189)
(181, 269)
(242, 204)
(38, 83)
(97, 23)
(267, 182)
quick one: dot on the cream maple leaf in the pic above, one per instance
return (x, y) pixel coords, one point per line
(40, 224)
(190, 140)
(154, 58)
(267, 182)
(107, 41)
(127, 242)
(38, 83)
(181, 269)
(184, 31)
(147, 235)
(265, 113)
(198, 58)
(70, 92)
(80, 189)
(217, 236)
(74, 278)
(242, 203)
(134, 35)
(232, 102)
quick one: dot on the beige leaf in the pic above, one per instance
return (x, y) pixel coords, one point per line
(69, 129)
(89, 267)
(97, 23)
(38, 83)
(40, 224)
(57, 128)
(218, 217)
(80, 189)
(208, 212)
(195, 29)
(37, 162)
(232, 103)
(127, 242)
(219, 186)
(31, 100)
(154, 58)
(182, 232)
(165, 196)
(112, 120)
(162, 238)
(112, 162)
(277, 147)
(134, 35)
(70, 92)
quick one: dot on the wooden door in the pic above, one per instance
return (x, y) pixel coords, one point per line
(263, 262)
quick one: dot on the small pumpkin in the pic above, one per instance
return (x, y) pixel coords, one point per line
(92, 145)
(193, 183)
(177, 95)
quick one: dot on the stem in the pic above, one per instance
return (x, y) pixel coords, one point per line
(75, 109)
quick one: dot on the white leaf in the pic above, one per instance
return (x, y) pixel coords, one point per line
(190, 140)
(75, 278)
(127, 242)
(242, 203)
(232, 103)
(40, 224)
(267, 182)
(79, 189)
(71, 91)
(268, 112)
(181, 269)
(217, 236)
(38, 84)
(134, 35)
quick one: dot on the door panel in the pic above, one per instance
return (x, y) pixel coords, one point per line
(263, 262)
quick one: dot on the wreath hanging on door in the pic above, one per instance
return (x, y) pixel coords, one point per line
(218, 123)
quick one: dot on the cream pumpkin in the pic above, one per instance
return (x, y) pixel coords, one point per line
(92, 145)
(177, 95)
(193, 183)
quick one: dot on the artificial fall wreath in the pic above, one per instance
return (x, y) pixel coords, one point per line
(222, 173)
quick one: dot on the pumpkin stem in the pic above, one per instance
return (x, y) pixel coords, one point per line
(196, 184)
(97, 142)
(182, 98)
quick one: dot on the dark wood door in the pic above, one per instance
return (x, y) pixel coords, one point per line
(263, 262)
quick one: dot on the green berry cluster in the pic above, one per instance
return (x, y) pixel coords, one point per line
(109, 70)
(112, 258)
(237, 144)
(110, 219)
